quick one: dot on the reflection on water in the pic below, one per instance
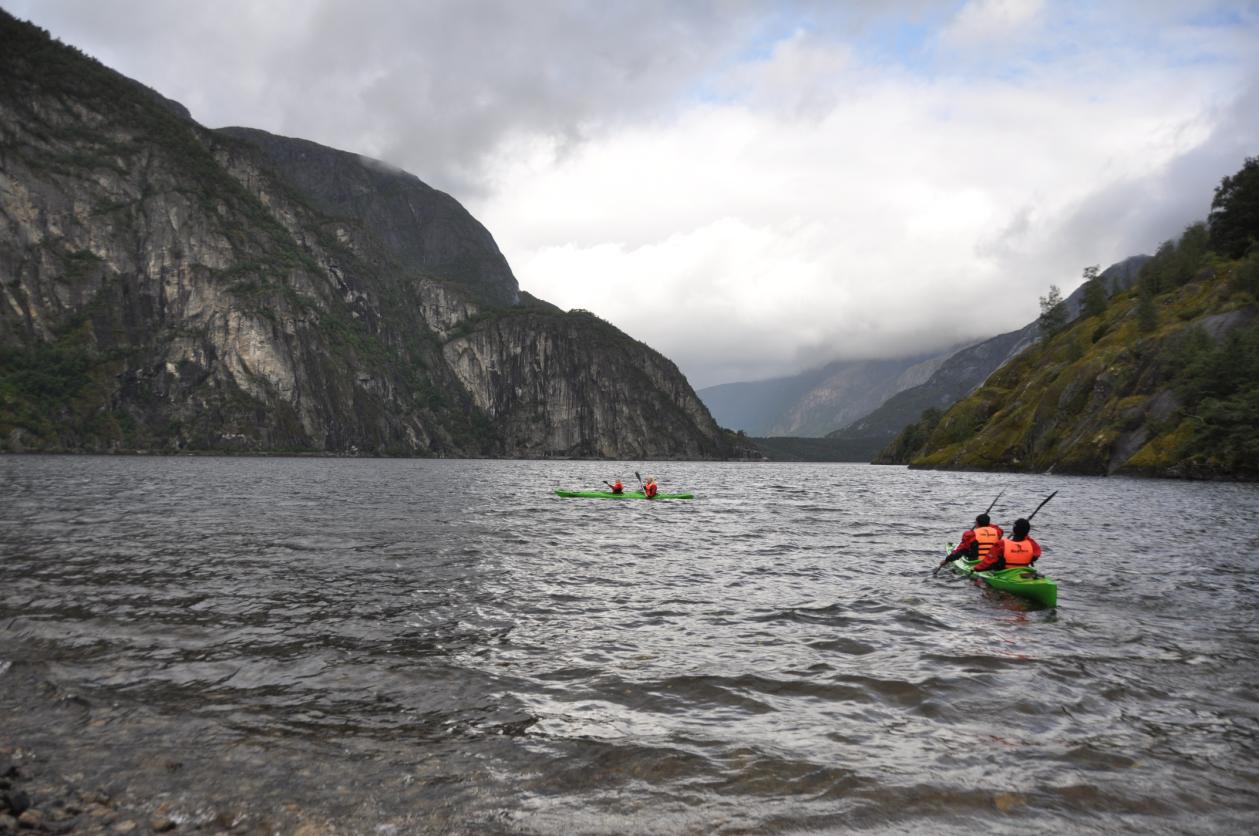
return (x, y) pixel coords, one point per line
(447, 645)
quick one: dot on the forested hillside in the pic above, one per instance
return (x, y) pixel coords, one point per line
(1160, 380)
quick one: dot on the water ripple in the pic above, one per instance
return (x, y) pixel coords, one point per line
(452, 647)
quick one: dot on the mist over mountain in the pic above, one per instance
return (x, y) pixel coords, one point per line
(166, 287)
(1161, 379)
(815, 402)
(963, 372)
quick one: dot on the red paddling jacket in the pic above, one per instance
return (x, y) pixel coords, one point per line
(978, 542)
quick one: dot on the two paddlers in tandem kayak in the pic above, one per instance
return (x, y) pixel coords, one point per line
(1004, 563)
(650, 488)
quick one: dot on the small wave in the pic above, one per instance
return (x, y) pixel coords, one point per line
(850, 647)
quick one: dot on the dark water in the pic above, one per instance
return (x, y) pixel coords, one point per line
(406, 646)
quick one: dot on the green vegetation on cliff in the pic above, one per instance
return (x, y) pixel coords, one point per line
(171, 288)
(1162, 380)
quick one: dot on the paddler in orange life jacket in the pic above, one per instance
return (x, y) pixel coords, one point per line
(649, 488)
(977, 543)
(1019, 550)
(616, 486)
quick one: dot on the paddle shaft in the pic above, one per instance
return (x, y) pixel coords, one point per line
(1042, 505)
(994, 502)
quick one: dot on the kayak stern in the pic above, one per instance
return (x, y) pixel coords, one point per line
(1023, 581)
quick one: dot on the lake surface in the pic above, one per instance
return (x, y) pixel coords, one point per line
(402, 646)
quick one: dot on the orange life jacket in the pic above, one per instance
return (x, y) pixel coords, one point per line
(1018, 553)
(986, 536)
(617, 487)
(650, 490)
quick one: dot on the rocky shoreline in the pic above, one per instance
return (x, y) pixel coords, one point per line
(36, 798)
(33, 799)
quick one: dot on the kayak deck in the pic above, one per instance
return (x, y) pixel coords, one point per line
(1023, 581)
(625, 495)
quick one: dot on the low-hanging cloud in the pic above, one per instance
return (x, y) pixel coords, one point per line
(751, 189)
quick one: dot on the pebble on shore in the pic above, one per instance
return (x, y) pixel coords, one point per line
(35, 800)
(35, 803)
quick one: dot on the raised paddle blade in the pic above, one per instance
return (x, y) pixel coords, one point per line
(1042, 505)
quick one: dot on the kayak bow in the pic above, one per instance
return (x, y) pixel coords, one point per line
(625, 495)
(1023, 581)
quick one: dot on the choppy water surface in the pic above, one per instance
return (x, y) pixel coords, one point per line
(432, 645)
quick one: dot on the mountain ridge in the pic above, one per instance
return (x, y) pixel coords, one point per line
(813, 402)
(966, 370)
(1161, 380)
(165, 287)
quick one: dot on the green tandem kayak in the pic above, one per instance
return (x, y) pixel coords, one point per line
(1022, 581)
(626, 495)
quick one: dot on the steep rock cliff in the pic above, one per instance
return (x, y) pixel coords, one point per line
(167, 287)
(537, 376)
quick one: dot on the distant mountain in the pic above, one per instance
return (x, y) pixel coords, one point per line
(1164, 382)
(785, 448)
(963, 372)
(815, 402)
(166, 287)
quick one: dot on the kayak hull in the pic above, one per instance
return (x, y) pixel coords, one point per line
(1023, 581)
(625, 495)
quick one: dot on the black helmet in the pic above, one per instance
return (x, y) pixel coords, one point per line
(982, 519)
(1021, 527)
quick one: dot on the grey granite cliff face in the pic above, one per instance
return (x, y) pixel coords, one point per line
(538, 378)
(166, 287)
(417, 226)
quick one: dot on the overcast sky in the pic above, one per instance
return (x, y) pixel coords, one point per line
(751, 188)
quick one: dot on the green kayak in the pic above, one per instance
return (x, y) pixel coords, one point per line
(626, 495)
(1022, 581)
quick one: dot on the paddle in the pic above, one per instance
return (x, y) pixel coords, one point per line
(936, 570)
(641, 487)
(1042, 505)
(1029, 520)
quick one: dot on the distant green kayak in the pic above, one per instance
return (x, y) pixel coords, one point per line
(626, 495)
(1023, 581)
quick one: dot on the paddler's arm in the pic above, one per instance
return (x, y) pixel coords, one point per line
(953, 555)
(963, 548)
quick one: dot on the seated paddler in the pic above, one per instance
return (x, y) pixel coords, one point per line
(1019, 550)
(978, 542)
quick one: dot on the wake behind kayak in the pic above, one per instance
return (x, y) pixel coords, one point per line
(1022, 581)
